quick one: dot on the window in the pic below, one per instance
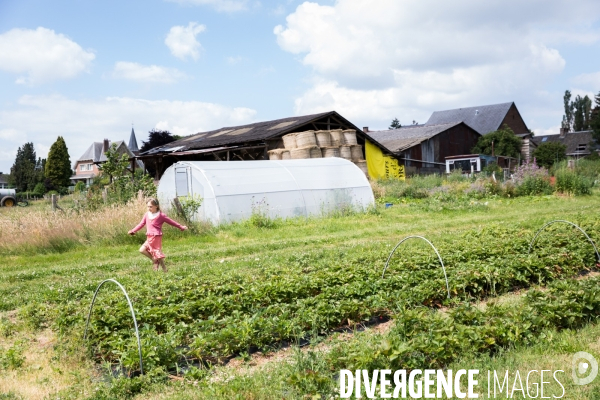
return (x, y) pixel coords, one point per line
(82, 167)
(581, 147)
(544, 139)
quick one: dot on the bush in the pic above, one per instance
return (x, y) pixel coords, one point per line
(569, 182)
(79, 187)
(531, 179)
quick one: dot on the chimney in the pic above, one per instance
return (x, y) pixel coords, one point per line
(365, 129)
(563, 132)
(105, 147)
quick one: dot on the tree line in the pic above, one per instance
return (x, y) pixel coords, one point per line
(38, 176)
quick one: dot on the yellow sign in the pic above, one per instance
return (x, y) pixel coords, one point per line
(381, 166)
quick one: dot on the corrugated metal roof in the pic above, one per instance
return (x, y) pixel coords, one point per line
(484, 119)
(248, 133)
(397, 140)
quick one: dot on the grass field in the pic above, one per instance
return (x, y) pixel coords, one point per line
(45, 291)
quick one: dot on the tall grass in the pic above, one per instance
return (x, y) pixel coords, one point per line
(40, 230)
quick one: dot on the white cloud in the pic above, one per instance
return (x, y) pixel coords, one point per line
(146, 73)
(219, 5)
(590, 81)
(41, 119)
(182, 42)
(42, 55)
(405, 59)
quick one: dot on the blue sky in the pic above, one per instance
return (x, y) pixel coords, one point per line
(87, 70)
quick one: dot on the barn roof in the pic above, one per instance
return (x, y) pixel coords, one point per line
(484, 119)
(578, 143)
(397, 140)
(258, 131)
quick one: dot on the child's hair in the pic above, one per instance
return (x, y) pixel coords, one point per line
(154, 203)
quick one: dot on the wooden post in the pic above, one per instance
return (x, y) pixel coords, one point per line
(53, 200)
(104, 195)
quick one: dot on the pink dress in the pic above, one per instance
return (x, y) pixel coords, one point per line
(153, 243)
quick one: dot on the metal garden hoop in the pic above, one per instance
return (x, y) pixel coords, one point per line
(137, 333)
(434, 249)
(566, 222)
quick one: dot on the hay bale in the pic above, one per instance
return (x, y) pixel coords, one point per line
(356, 152)
(337, 137)
(330, 151)
(302, 152)
(289, 141)
(315, 152)
(285, 155)
(345, 152)
(323, 138)
(350, 136)
(306, 139)
(362, 164)
(275, 154)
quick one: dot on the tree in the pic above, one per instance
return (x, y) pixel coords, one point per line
(595, 119)
(395, 124)
(58, 166)
(546, 154)
(115, 165)
(504, 141)
(156, 139)
(567, 121)
(22, 173)
(581, 116)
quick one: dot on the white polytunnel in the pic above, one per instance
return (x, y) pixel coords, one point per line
(234, 190)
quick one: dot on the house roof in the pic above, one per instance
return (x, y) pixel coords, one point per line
(397, 140)
(258, 131)
(95, 153)
(484, 119)
(572, 140)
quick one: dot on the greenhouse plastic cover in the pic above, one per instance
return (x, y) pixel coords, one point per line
(234, 190)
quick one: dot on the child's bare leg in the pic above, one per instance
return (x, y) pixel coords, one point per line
(145, 252)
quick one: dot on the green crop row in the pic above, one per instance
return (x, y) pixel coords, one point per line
(212, 317)
(423, 338)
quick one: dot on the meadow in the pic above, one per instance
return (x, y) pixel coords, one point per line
(274, 309)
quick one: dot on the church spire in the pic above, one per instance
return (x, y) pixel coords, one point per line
(133, 145)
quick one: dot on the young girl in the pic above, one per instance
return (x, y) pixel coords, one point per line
(152, 247)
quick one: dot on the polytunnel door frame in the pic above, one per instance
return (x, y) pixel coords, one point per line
(179, 180)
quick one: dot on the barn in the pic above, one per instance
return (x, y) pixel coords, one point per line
(424, 148)
(249, 142)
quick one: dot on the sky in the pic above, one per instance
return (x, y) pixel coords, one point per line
(88, 70)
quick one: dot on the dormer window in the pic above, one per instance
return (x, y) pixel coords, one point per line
(581, 147)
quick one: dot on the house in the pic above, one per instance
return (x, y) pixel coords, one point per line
(86, 167)
(3, 181)
(489, 118)
(424, 148)
(245, 142)
(579, 144)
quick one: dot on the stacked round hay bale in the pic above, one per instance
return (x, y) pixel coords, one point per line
(285, 154)
(362, 164)
(305, 139)
(346, 152)
(330, 151)
(324, 143)
(301, 152)
(289, 141)
(350, 137)
(356, 152)
(337, 137)
(315, 152)
(276, 154)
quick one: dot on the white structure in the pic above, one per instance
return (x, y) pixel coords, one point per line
(232, 191)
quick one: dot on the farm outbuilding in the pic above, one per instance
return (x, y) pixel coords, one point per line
(424, 148)
(267, 140)
(233, 191)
